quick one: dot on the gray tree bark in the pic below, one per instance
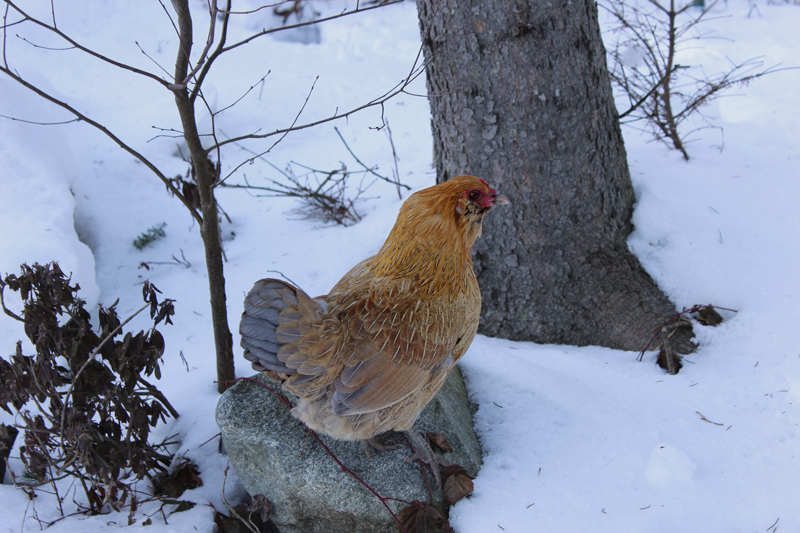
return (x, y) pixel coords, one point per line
(520, 96)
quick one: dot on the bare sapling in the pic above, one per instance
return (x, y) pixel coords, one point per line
(185, 85)
(643, 64)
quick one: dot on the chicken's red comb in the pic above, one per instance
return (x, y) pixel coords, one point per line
(491, 190)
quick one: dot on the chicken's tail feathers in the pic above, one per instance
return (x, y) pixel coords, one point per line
(270, 304)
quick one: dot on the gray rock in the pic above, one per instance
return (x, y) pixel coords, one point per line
(274, 454)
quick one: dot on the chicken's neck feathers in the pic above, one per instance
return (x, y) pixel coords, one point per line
(430, 244)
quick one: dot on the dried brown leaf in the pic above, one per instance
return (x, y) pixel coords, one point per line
(421, 517)
(457, 483)
(439, 440)
(708, 316)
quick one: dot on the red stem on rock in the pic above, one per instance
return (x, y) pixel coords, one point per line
(382, 499)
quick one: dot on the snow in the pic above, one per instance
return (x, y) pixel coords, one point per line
(575, 439)
(41, 230)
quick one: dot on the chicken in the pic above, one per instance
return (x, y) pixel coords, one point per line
(367, 357)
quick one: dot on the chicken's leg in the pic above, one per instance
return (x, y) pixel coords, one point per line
(423, 452)
(378, 443)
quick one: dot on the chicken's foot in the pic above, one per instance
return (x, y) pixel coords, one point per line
(378, 443)
(424, 452)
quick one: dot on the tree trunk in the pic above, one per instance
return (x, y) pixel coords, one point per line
(209, 228)
(520, 96)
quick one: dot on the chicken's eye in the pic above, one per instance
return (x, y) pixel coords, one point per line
(474, 195)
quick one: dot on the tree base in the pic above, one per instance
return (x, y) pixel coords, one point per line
(607, 299)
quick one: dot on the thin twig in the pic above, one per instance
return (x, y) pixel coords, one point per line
(256, 84)
(394, 158)
(249, 524)
(674, 319)
(109, 134)
(309, 23)
(380, 101)
(285, 132)
(704, 419)
(644, 98)
(371, 170)
(215, 54)
(5, 309)
(212, 25)
(158, 395)
(82, 48)
(40, 123)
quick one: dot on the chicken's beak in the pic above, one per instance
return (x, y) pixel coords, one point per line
(500, 200)
(496, 199)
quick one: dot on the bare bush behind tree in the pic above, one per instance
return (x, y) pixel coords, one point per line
(323, 194)
(643, 66)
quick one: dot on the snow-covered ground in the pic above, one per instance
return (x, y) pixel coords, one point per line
(576, 439)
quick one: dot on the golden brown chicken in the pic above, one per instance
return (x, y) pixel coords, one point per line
(369, 356)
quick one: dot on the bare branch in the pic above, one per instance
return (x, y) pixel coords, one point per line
(150, 58)
(212, 25)
(371, 170)
(398, 89)
(6, 310)
(256, 84)
(78, 46)
(297, 116)
(218, 145)
(644, 98)
(40, 123)
(42, 47)
(358, 9)
(178, 133)
(5, 33)
(658, 95)
(169, 16)
(396, 171)
(215, 54)
(213, 134)
(108, 134)
(256, 10)
(185, 33)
